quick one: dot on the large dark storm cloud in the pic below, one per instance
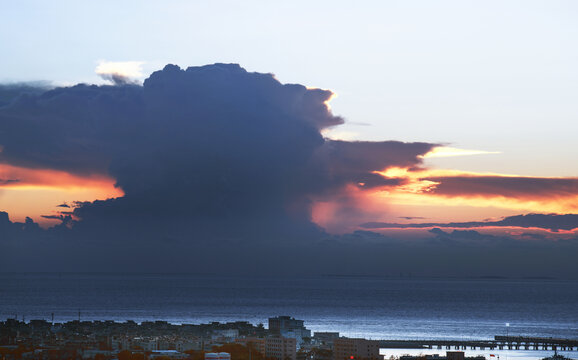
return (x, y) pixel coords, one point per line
(206, 155)
(219, 167)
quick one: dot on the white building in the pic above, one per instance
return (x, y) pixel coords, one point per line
(218, 356)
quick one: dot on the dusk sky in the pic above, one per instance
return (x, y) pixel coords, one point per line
(433, 138)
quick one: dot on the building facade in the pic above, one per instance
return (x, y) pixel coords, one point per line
(281, 348)
(289, 327)
(253, 342)
(356, 349)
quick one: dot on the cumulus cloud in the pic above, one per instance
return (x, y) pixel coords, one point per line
(120, 72)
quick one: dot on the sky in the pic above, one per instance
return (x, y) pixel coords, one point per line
(410, 132)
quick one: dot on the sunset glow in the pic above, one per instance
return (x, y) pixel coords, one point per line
(417, 196)
(420, 189)
(36, 192)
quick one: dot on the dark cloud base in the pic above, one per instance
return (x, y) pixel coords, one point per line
(459, 253)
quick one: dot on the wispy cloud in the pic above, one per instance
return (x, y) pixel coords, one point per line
(551, 222)
(444, 151)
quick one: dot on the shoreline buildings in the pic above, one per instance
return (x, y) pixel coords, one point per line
(286, 339)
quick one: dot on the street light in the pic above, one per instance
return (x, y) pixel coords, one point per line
(507, 338)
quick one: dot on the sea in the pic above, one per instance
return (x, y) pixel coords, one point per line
(369, 307)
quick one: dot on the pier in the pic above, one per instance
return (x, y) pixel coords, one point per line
(499, 343)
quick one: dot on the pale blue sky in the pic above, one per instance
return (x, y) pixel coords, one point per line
(485, 75)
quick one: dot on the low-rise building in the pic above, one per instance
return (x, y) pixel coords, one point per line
(325, 339)
(455, 355)
(356, 349)
(225, 335)
(171, 354)
(281, 348)
(289, 327)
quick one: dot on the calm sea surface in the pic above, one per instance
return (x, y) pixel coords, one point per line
(377, 308)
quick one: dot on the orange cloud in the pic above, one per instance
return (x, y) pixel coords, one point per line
(458, 188)
(26, 178)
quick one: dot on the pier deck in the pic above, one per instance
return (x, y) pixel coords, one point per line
(499, 343)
